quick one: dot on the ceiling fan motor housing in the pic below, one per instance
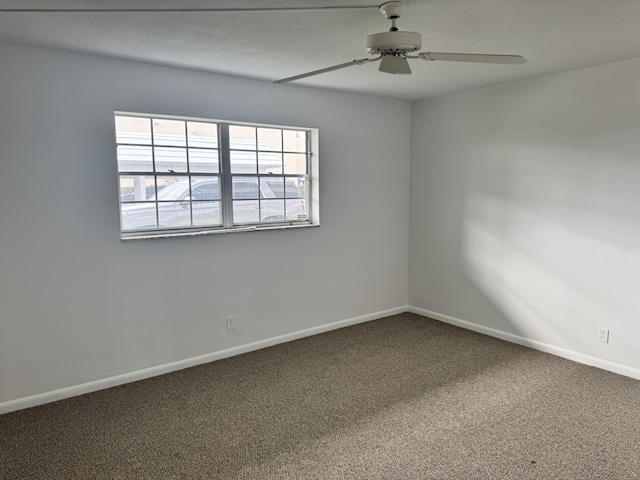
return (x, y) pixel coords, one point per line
(393, 43)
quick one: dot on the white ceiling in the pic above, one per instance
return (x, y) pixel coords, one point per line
(554, 35)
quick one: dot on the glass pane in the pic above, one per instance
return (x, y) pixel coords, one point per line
(206, 213)
(170, 159)
(269, 162)
(272, 187)
(136, 188)
(294, 140)
(272, 210)
(169, 132)
(172, 188)
(134, 159)
(296, 187)
(243, 162)
(296, 210)
(203, 161)
(204, 188)
(270, 139)
(174, 214)
(242, 138)
(295, 163)
(138, 215)
(245, 187)
(135, 130)
(246, 211)
(202, 134)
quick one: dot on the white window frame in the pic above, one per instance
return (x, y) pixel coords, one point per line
(226, 177)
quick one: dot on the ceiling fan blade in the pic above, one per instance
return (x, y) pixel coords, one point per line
(183, 10)
(474, 57)
(328, 69)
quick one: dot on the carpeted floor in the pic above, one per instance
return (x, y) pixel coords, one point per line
(399, 398)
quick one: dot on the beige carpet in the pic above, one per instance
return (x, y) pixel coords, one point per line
(399, 398)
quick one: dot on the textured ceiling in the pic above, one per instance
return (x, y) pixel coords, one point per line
(554, 35)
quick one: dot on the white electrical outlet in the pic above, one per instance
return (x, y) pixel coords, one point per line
(230, 323)
(603, 335)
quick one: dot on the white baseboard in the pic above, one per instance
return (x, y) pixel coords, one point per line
(55, 395)
(116, 380)
(543, 347)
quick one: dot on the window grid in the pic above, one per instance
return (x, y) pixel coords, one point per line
(169, 176)
(267, 207)
(257, 173)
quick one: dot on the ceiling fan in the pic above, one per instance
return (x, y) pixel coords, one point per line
(395, 47)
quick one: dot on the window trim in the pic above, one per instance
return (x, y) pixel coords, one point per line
(225, 182)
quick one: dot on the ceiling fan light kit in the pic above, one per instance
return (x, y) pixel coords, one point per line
(394, 64)
(395, 47)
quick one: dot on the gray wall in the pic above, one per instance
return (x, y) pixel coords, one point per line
(525, 211)
(78, 305)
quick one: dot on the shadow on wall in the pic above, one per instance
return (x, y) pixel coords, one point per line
(551, 237)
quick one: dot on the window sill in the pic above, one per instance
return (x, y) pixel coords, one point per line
(251, 228)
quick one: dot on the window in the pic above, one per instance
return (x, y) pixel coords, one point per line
(181, 176)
